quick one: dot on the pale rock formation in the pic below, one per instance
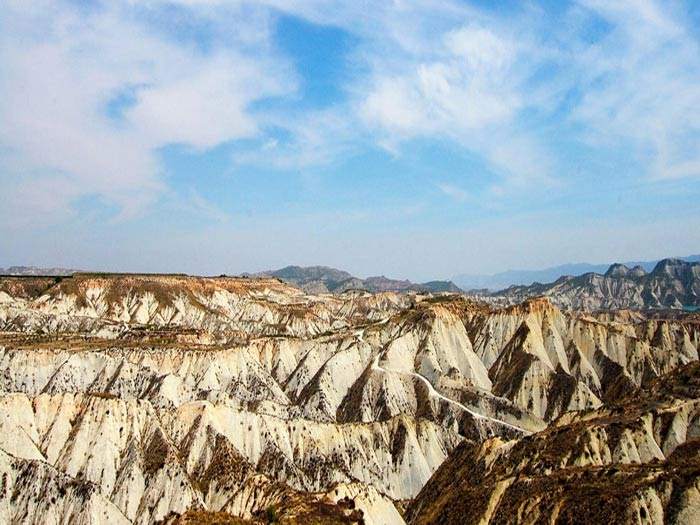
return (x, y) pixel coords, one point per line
(143, 398)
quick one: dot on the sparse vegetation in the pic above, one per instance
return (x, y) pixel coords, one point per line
(271, 514)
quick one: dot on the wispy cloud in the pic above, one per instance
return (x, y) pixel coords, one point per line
(63, 65)
(467, 81)
(504, 87)
(454, 192)
(640, 85)
(311, 138)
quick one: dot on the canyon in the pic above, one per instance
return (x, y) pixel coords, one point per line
(137, 398)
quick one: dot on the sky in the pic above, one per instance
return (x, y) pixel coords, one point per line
(416, 139)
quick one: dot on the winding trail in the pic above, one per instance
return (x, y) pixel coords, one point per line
(431, 389)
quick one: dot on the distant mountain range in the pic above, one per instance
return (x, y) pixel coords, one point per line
(669, 283)
(502, 280)
(34, 270)
(672, 283)
(322, 279)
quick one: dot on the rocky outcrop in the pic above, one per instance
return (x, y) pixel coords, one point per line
(175, 397)
(673, 283)
(636, 460)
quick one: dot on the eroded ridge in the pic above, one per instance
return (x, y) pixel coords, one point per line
(140, 398)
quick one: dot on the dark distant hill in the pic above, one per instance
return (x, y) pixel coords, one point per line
(441, 286)
(323, 279)
(311, 273)
(508, 278)
(672, 283)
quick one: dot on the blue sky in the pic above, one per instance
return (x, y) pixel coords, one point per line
(414, 139)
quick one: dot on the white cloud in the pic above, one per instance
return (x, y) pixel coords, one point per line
(467, 82)
(454, 192)
(641, 86)
(311, 138)
(202, 109)
(635, 88)
(426, 68)
(481, 48)
(62, 65)
(468, 85)
(395, 103)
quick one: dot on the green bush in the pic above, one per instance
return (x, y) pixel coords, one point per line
(271, 514)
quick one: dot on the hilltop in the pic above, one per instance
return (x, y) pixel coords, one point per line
(672, 283)
(323, 279)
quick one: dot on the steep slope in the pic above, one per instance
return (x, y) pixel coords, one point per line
(672, 283)
(635, 461)
(171, 396)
